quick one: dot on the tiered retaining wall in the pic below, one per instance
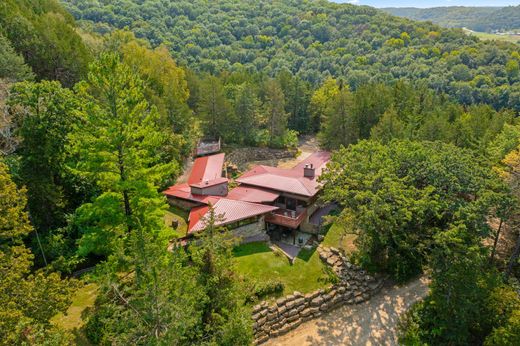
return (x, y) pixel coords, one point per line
(289, 312)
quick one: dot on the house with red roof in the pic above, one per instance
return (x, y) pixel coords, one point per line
(267, 200)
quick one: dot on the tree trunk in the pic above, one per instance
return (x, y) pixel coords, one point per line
(493, 251)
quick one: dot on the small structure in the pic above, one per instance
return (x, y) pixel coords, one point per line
(207, 147)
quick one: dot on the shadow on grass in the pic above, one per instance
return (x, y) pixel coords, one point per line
(306, 254)
(250, 249)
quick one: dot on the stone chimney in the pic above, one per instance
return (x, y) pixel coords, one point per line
(309, 171)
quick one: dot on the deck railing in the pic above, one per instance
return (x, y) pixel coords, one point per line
(287, 218)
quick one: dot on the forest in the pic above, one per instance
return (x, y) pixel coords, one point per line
(102, 101)
(485, 19)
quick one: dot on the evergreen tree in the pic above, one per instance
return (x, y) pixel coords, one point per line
(119, 144)
(225, 317)
(338, 126)
(274, 111)
(214, 108)
(247, 108)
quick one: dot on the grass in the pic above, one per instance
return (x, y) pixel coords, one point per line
(179, 215)
(258, 262)
(336, 238)
(72, 319)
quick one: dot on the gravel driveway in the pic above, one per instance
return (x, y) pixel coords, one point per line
(370, 323)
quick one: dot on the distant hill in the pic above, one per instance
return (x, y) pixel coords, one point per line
(485, 19)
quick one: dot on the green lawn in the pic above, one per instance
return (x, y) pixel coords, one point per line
(258, 262)
(181, 216)
(336, 238)
(82, 299)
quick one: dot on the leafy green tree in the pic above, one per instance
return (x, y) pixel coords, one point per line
(12, 65)
(44, 115)
(45, 35)
(396, 197)
(247, 109)
(320, 100)
(214, 109)
(225, 317)
(338, 126)
(29, 300)
(165, 88)
(119, 144)
(274, 111)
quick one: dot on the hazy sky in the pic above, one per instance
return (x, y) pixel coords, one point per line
(430, 3)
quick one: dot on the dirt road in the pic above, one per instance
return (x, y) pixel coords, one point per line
(370, 323)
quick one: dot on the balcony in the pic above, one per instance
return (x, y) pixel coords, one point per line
(287, 218)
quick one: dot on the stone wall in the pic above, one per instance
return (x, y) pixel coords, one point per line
(252, 232)
(289, 312)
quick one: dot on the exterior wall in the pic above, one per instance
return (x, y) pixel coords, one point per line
(215, 190)
(305, 225)
(181, 203)
(251, 231)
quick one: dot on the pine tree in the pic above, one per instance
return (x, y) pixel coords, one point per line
(214, 108)
(225, 317)
(119, 145)
(274, 110)
(246, 112)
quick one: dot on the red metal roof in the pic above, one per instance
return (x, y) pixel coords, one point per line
(252, 194)
(183, 191)
(288, 180)
(208, 183)
(206, 168)
(230, 210)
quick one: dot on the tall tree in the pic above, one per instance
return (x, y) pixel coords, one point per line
(338, 127)
(29, 300)
(119, 144)
(274, 111)
(44, 115)
(320, 100)
(225, 317)
(165, 88)
(247, 108)
(214, 108)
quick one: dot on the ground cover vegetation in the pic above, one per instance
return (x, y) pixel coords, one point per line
(95, 122)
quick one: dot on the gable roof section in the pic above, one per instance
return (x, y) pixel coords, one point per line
(252, 194)
(288, 180)
(206, 168)
(231, 211)
(183, 191)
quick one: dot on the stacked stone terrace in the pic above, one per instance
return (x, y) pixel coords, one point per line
(287, 313)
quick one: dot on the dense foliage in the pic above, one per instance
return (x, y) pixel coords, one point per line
(476, 18)
(45, 35)
(29, 299)
(313, 40)
(426, 163)
(404, 111)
